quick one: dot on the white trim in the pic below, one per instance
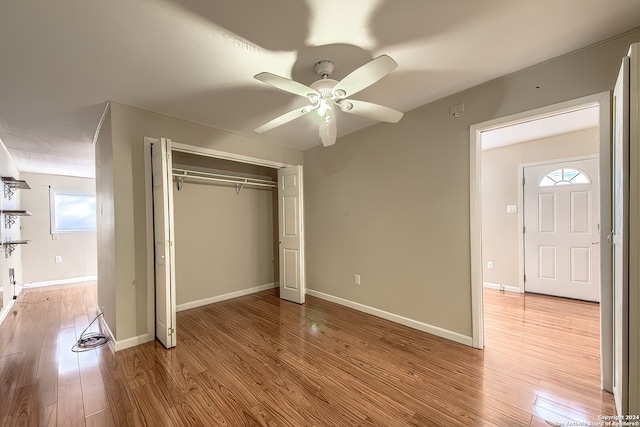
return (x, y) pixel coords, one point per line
(415, 324)
(499, 287)
(101, 122)
(223, 297)
(132, 342)
(6, 309)
(126, 343)
(475, 237)
(200, 151)
(603, 100)
(60, 282)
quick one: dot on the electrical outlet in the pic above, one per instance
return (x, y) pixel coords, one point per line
(489, 265)
(58, 258)
(356, 279)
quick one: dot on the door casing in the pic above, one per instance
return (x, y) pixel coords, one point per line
(603, 100)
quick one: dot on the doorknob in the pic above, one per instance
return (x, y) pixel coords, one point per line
(594, 243)
(609, 238)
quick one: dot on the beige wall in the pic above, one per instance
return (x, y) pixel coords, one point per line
(78, 250)
(127, 277)
(391, 202)
(224, 241)
(500, 230)
(7, 168)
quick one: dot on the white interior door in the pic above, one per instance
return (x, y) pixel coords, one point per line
(291, 234)
(561, 218)
(619, 236)
(164, 238)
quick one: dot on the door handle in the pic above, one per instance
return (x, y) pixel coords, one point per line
(609, 238)
(595, 243)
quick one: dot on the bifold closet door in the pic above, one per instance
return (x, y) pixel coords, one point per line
(291, 234)
(164, 238)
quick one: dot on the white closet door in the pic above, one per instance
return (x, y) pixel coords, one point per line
(164, 238)
(291, 233)
(619, 237)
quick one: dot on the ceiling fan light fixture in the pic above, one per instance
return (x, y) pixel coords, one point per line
(324, 107)
(325, 93)
(339, 93)
(346, 106)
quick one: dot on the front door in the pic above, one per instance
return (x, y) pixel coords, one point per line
(561, 233)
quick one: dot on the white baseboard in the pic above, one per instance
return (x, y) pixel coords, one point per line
(500, 287)
(132, 342)
(6, 309)
(415, 324)
(126, 343)
(218, 298)
(60, 282)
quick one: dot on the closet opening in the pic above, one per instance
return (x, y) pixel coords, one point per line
(223, 227)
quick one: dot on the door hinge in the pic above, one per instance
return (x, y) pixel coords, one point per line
(172, 331)
(167, 156)
(524, 229)
(525, 277)
(170, 243)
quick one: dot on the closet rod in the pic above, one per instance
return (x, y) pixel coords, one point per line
(181, 173)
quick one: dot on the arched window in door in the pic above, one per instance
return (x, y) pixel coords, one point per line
(564, 176)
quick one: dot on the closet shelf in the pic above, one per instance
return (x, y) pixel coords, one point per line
(10, 246)
(11, 215)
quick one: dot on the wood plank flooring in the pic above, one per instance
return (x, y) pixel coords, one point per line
(260, 361)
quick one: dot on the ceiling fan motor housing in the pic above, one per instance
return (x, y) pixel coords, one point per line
(324, 68)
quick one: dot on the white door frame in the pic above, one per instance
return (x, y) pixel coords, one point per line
(521, 241)
(603, 100)
(185, 148)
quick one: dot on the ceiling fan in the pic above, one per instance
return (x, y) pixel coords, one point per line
(327, 94)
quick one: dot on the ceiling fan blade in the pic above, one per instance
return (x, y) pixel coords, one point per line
(365, 76)
(286, 84)
(370, 110)
(285, 118)
(328, 130)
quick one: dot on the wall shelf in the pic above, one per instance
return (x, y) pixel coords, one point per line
(11, 215)
(10, 246)
(12, 184)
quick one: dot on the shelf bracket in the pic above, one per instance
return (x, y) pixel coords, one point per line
(8, 249)
(9, 220)
(180, 183)
(8, 191)
(239, 188)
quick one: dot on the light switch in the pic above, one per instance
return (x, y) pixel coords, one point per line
(512, 209)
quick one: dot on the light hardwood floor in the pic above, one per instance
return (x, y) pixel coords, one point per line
(257, 360)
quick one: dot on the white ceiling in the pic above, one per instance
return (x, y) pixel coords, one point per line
(62, 60)
(554, 124)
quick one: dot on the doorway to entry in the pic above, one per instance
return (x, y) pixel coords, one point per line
(513, 212)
